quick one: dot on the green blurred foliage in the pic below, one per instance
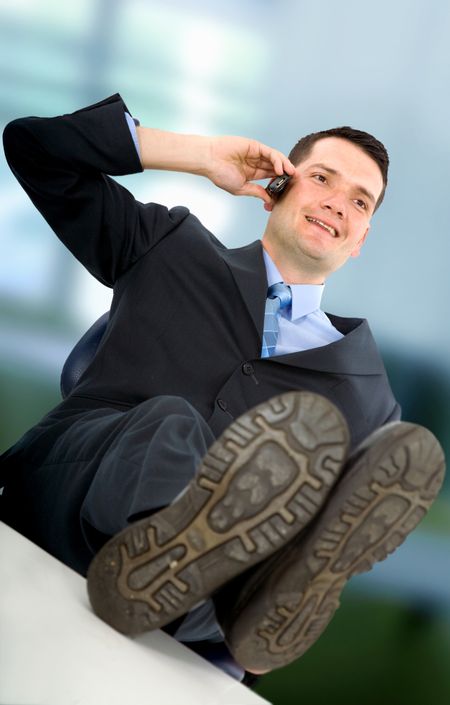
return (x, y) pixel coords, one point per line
(371, 653)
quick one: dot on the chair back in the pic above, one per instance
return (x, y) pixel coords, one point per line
(82, 355)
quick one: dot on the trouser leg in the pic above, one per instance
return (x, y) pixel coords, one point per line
(151, 460)
(77, 477)
(153, 456)
(79, 482)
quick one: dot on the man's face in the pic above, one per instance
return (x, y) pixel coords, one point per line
(324, 217)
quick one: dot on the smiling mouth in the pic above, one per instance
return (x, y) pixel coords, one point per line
(323, 225)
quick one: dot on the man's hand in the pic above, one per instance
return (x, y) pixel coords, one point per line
(232, 163)
(237, 161)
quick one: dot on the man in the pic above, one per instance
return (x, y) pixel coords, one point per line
(210, 435)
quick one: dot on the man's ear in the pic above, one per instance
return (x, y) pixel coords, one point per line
(359, 244)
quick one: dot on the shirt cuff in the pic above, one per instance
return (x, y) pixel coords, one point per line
(132, 123)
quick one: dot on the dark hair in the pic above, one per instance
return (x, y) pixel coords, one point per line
(371, 146)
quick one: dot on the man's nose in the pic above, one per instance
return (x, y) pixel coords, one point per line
(335, 203)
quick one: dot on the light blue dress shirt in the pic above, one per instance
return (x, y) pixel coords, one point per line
(303, 325)
(132, 122)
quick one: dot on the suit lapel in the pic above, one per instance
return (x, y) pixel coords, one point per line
(356, 353)
(249, 272)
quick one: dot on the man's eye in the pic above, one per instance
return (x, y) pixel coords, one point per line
(320, 177)
(361, 204)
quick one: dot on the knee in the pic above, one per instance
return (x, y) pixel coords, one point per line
(168, 405)
(169, 413)
(180, 417)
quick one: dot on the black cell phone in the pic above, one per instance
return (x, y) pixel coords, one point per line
(277, 185)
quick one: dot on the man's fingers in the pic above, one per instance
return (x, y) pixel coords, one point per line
(288, 167)
(256, 190)
(277, 163)
(269, 166)
(238, 162)
(281, 164)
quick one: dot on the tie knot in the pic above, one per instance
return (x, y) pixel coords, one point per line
(281, 291)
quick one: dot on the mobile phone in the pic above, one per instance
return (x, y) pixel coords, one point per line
(277, 185)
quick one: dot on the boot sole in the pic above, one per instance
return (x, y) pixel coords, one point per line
(259, 484)
(287, 603)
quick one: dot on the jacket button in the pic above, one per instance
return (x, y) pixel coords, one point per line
(221, 403)
(247, 368)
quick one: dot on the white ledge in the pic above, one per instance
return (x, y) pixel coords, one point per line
(55, 651)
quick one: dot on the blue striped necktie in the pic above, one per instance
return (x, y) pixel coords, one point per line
(278, 296)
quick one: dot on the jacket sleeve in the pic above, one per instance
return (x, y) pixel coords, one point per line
(63, 163)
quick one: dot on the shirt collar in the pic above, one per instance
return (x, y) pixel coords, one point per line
(306, 298)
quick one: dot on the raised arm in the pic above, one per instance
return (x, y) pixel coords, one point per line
(64, 164)
(232, 163)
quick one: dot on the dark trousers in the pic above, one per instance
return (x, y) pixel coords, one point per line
(77, 478)
(154, 452)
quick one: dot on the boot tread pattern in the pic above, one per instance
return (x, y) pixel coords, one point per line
(363, 523)
(258, 485)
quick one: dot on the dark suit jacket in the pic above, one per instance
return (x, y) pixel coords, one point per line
(187, 313)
